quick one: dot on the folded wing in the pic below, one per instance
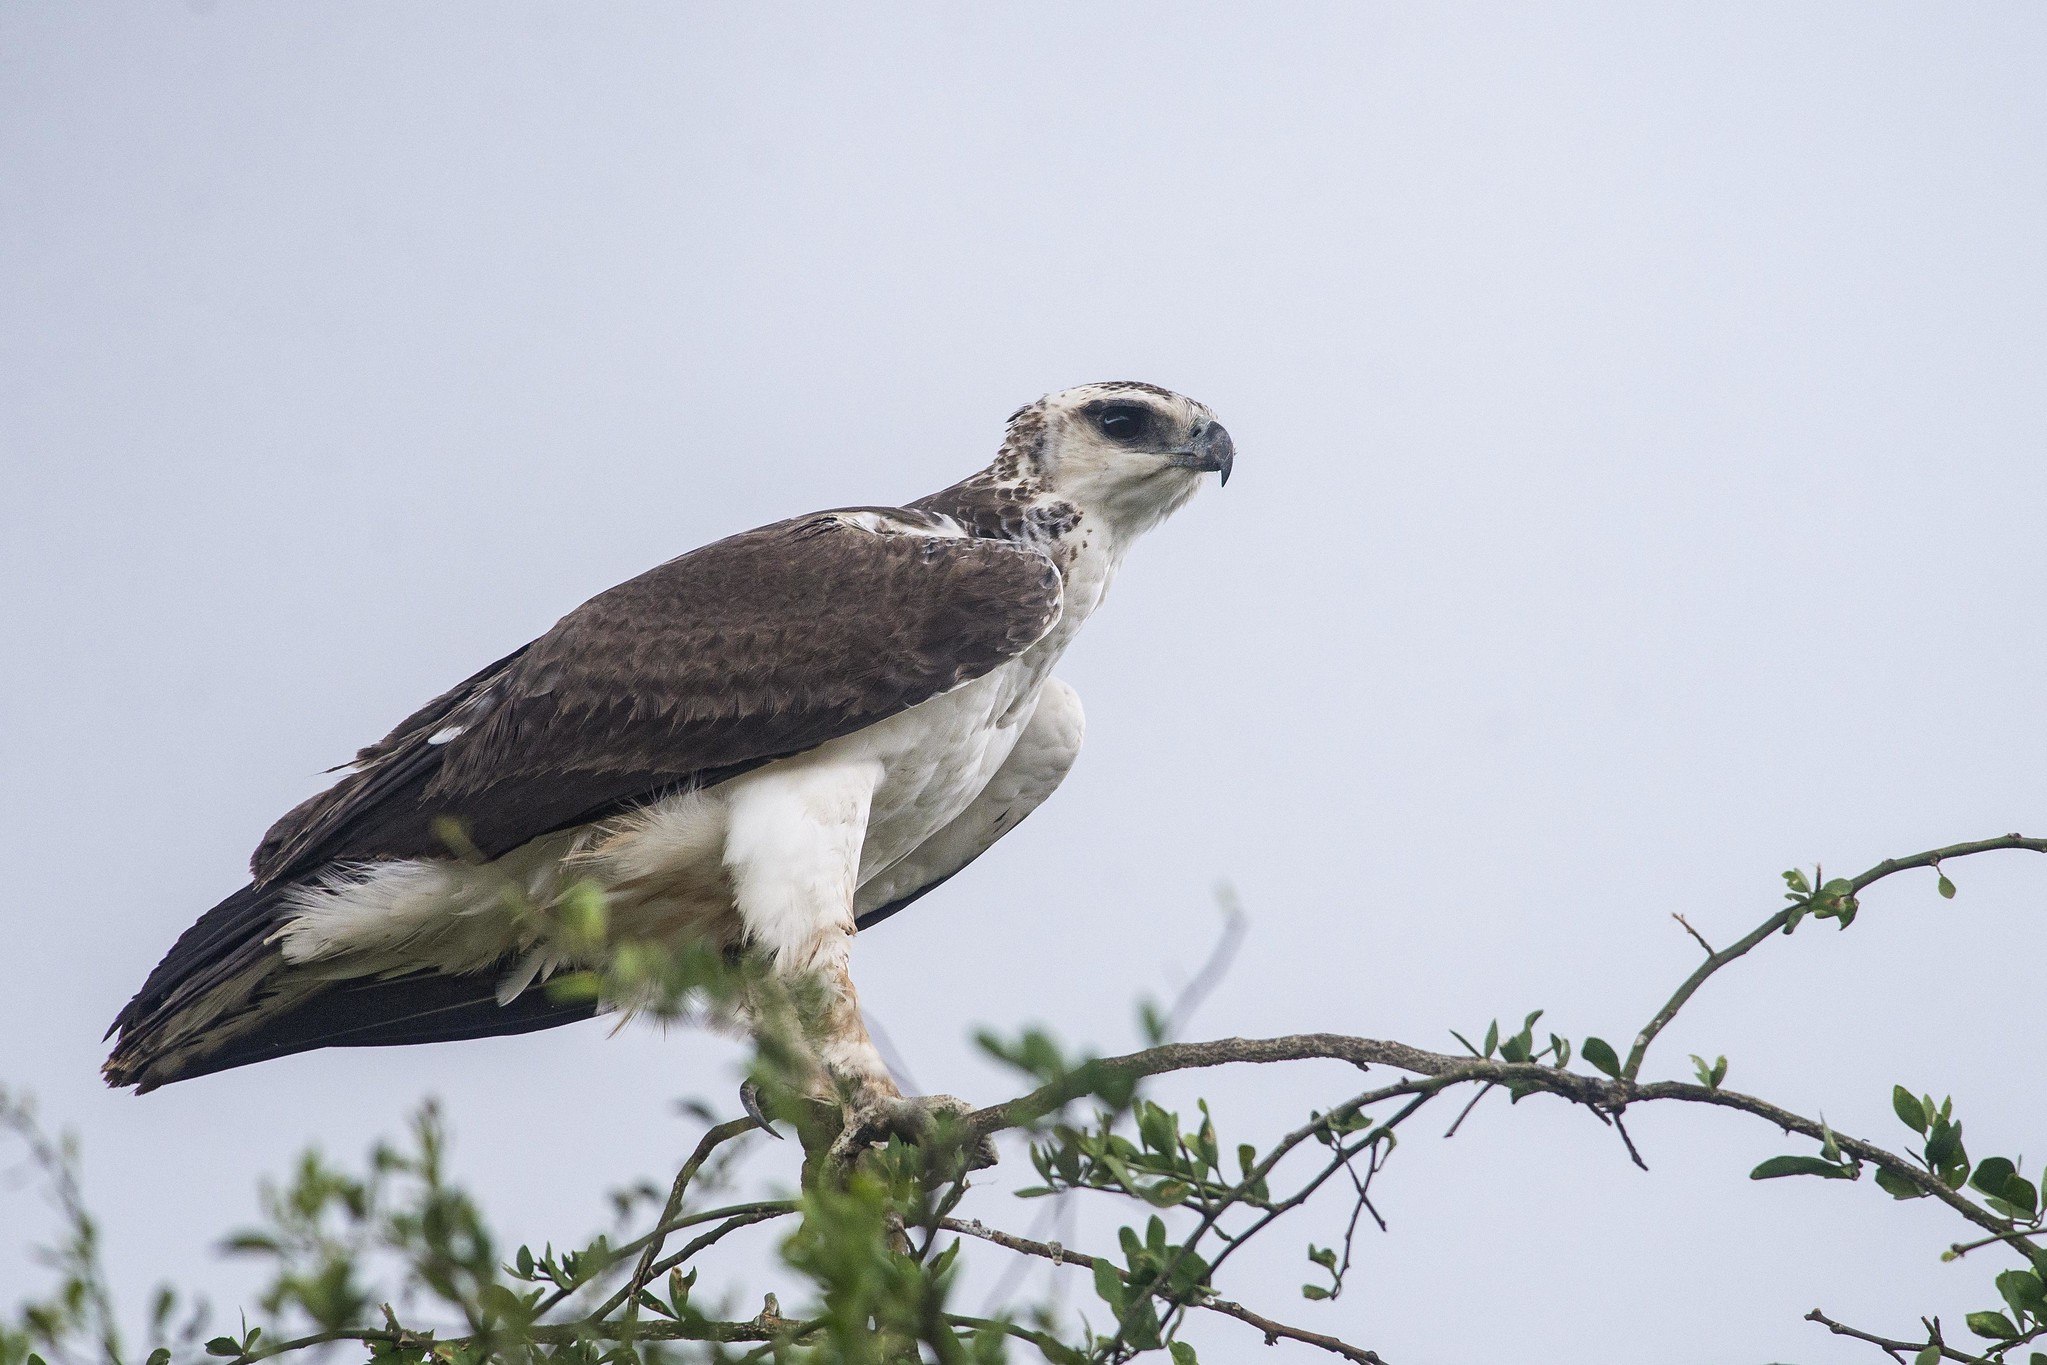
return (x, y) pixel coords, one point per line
(756, 647)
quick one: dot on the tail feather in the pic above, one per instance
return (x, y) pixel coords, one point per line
(225, 997)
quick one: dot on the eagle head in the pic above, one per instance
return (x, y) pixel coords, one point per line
(1129, 453)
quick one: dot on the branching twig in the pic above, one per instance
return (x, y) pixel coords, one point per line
(763, 1214)
(761, 1328)
(1894, 1347)
(711, 1141)
(1060, 1255)
(1440, 1070)
(1715, 961)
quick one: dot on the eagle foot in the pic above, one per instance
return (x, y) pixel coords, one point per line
(869, 1119)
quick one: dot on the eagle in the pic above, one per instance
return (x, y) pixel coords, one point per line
(763, 746)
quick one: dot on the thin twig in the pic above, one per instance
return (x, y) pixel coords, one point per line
(1629, 1142)
(1044, 1341)
(712, 1139)
(687, 1220)
(1701, 938)
(1465, 1112)
(1425, 1091)
(732, 1224)
(1059, 1255)
(1961, 1249)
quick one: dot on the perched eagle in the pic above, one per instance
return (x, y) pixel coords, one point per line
(768, 743)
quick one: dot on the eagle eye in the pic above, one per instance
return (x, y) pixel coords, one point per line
(1123, 421)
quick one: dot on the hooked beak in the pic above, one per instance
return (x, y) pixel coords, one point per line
(1212, 452)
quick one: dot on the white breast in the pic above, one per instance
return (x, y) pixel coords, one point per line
(936, 757)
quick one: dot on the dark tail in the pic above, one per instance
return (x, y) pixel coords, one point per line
(225, 997)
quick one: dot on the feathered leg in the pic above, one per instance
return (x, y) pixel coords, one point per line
(792, 847)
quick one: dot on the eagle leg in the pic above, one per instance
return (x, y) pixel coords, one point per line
(792, 848)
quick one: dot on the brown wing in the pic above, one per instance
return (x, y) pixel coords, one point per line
(759, 646)
(763, 645)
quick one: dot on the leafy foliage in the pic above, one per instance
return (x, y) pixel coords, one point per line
(874, 1239)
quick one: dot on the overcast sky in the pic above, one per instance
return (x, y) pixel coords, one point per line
(1640, 484)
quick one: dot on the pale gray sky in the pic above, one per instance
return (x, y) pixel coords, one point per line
(1640, 485)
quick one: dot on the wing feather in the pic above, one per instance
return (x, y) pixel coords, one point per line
(756, 647)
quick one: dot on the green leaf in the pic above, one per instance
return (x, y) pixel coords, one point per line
(1896, 1186)
(1109, 1287)
(1908, 1109)
(224, 1346)
(2023, 1291)
(1945, 1153)
(1991, 1175)
(160, 1356)
(1600, 1053)
(1314, 1291)
(1141, 1325)
(1492, 1037)
(1157, 1127)
(1991, 1325)
(1778, 1166)
(1133, 1249)
(1183, 1354)
(1928, 1356)
(1947, 888)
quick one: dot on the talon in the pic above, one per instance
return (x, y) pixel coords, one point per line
(750, 1101)
(875, 1119)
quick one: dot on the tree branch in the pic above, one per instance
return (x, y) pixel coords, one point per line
(1443, 1070)
(1359, 1052)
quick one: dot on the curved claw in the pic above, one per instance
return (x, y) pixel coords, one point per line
(914, 1120)
(750, 1101)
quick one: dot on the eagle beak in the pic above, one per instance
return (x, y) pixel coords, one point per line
(1212, 452)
